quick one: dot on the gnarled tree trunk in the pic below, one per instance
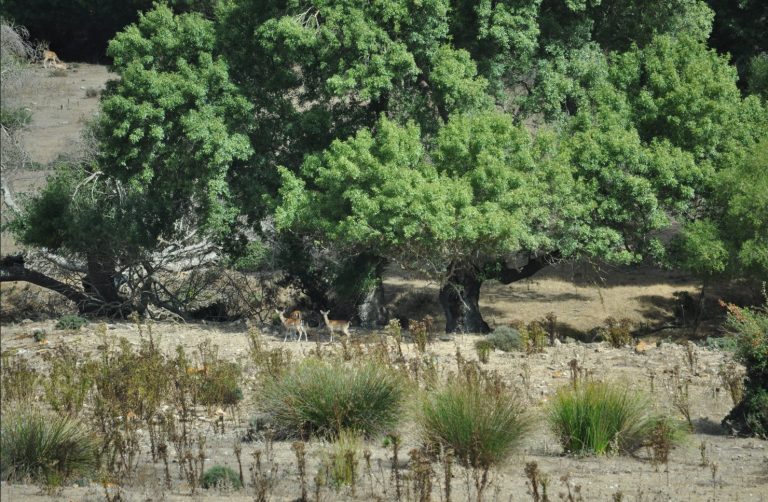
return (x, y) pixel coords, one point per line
(460, 299)
(460, 296)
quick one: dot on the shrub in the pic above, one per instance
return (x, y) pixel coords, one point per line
(597, 417)
(483, 348)
(480, 424)
(750, 326)
(219, 385)
(68, 382)
(15, 118)
(45, 448)
(342, 460)
(617, 333)
(533, 337)
(73, 322)
(505, 339)
(220, 477)
(91, 92)
(326, 397)
(19, 379)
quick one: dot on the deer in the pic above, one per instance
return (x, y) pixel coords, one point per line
(335, 325)
(296, 314)
(50, 56)
(292, 325)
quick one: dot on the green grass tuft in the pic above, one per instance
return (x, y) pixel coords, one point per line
(325, 398)
(45, 448)
(598, 417)
(480, 424)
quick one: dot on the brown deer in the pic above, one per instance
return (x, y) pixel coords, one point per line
(50, 56)
(335, 325)
(292, 326)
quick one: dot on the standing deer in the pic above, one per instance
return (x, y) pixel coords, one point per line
(335, 325)
(292, 325)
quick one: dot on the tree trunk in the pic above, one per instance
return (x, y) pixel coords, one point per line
(100, 281)
(460, 299)
(17, 272)
(460, 296)
(371, 309)
(13, 269)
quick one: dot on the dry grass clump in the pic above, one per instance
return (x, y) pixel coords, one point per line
(326, 397)
(598, 417)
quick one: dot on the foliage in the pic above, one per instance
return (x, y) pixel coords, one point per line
(70, 321)
(19, 380)
(68, 382)
(483, 349)
(750, 327)
(758, 75)
(533, 337)
(45, 448)
(15, 118)
(617, 333)
(172, 86)
(505, 338)
(732, 239)
(341, 462)
(220, 476)
(325, 398)
(480, 424)
(599, 417)
(220, 384)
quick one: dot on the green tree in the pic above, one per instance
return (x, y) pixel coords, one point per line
(169, 132)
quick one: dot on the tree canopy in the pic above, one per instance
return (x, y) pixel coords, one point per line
(466, 140)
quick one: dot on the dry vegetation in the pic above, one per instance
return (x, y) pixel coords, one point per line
(194, 409)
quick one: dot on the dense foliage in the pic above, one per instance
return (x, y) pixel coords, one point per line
(465, 140)
(750, 326)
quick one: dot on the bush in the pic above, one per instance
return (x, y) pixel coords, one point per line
(15, 118)
(750, 326)
(483, 348)
(45, 448)
(219, 385)
(19, 380)
(220, 477)
(73, 322)
(326, 397)
(598, 417)
(342, 460)
(505, 339)
(617, 333)
(480, 424)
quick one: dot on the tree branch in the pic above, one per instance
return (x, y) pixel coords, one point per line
(509, 275)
